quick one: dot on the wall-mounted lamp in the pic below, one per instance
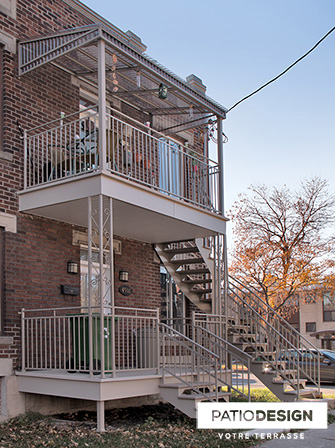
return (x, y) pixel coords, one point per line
(124, 276)
(72, 267)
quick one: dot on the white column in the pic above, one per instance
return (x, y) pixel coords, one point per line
(221, 164)
(102, 104)
(101, 416)
(101, 281)
(89, 259)
(111, 291)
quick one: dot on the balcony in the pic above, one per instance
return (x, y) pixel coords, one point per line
(162, 184)
(69, 147)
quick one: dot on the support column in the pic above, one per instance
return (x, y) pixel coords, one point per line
(221, 164)
(101, 416)
(111, 291)
(102, 104)
(101, 287)
(90, 287)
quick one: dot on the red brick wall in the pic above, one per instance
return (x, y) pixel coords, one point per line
(35, 266)
(144, 275)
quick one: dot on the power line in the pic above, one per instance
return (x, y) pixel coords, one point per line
(282, 73)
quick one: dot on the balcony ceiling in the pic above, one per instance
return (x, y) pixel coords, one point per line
(131, 76)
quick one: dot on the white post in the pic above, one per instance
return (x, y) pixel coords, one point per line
(102, 104)
(25, 141)
(221, 164)
(23, 340)
(101, 289)
(89, 257)
(111, 291)
(101, 416)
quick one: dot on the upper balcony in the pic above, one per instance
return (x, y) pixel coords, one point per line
(152, 162)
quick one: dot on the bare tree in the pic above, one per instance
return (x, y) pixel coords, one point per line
(281, 244)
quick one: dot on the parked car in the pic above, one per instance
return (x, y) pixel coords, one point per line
(306, 362)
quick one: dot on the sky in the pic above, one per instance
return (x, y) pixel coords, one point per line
(285, 133)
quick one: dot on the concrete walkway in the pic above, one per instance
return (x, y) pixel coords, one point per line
(313, 438)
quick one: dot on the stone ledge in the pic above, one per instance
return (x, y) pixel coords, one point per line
(6, 340)
(6, 156)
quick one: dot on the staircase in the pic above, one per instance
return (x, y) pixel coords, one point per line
(253, 328)
(196, 372)
(186, 264)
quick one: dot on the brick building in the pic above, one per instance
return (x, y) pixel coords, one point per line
(112, 220)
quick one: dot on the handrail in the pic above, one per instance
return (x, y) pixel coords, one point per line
(278, 338)
(27, 310)
(229, 349)
(201, 371)
(272, 310)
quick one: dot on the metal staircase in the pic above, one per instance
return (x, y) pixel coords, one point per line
(194, 372)
(186, 265)
(273, 348)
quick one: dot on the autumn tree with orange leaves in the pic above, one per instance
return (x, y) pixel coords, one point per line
(282, 244)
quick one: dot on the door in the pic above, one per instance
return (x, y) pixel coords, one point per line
(95, 275)
(169, 167)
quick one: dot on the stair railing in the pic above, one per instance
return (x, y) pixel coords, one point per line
(193, 365)
(232, 358)
(286, 348)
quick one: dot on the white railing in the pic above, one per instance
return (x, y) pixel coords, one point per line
(274, 339)
(70, 339)
(193, 365)
(206, 331)
(69, 147)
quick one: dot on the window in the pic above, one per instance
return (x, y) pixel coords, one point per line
(1, 97)
(328, 308)
(310, 327)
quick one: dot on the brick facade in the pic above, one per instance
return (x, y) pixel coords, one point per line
(36, 250)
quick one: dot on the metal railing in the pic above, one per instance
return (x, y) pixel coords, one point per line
(70, 339)
(206, 331)
(192, 364)
(272, 338)
(69, 147)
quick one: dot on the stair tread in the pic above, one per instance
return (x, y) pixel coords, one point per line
(301, 391)
(193, 271)
(182, 250)
(174, 386)
(202, 397)
(196, 281)
(282, 381)
(188, 261)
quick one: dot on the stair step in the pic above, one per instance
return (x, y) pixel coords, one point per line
(197, 281)
(188, 261)
(212, 395)
(182, 250)
(193, 271)
(202, 291)
(302, 392)
(294, 382)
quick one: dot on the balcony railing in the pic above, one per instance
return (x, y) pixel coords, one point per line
(69, 147)
(71, 340)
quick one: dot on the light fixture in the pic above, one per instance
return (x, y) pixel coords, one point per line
(138, 79)
(72, 267)
(163, 91)
(124, 276)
